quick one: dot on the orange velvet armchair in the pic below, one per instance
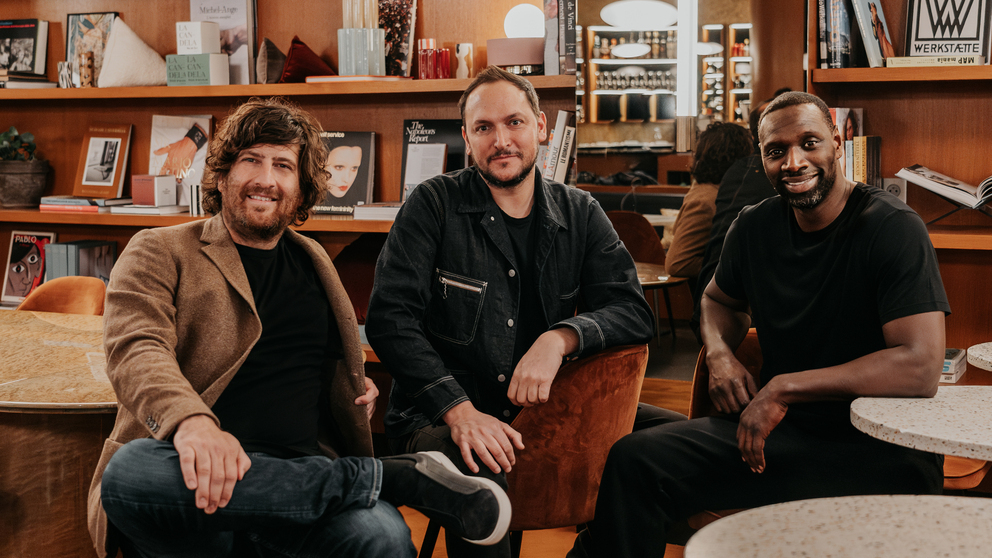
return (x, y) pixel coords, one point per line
(556, 478)
(67, 295)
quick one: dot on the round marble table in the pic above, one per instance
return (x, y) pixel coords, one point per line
(903, 526)
(956, 421)
(56, 409)
(980, 356)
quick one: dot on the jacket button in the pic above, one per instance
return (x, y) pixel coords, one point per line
(506, 414)
(512, 273)
(501, 378)
(491, 218)
(509, 322)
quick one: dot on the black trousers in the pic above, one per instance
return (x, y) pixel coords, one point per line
(664, 474)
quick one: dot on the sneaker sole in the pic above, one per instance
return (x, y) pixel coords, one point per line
(503, 522)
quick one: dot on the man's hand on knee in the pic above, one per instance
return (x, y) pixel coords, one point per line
(212, 461)
(490, 438)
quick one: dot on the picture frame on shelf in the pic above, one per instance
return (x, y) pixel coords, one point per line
(87, 32)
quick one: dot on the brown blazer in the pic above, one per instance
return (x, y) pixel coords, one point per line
(180, 316)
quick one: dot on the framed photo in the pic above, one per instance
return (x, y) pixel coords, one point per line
(87, 33)
(25, 268)
(102, 161)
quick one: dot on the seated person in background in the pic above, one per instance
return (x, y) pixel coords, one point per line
(234, 354)
(490, 277)
(841, 282)
(718, 147)
(743, 184)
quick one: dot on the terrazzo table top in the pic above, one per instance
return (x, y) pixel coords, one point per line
(53, 362)
(956, 421)
(903, 526)
(980, 356)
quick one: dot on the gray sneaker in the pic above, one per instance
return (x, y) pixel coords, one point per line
(474, 508)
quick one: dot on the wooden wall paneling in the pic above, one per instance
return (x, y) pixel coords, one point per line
(777, 44)
(966, 274)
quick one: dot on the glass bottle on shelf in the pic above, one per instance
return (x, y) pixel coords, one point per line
(655, 46)
(595, 46)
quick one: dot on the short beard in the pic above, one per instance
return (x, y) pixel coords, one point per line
(810, 198)
(510, 182)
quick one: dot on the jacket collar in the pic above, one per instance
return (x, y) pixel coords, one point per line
(478, 199)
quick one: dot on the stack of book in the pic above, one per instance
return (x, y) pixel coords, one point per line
(954, 366)
(23, 54)
(88, 258)
(79, 204)
(23, 80)
(560, 154)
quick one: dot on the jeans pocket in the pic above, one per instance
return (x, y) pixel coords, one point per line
(456, 304)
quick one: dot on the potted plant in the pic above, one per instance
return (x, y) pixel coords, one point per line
(23, 177)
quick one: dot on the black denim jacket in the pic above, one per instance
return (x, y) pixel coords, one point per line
(441, 315)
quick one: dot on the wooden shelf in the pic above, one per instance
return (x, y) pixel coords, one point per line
(316, 223)
(919, 74)
(402, 87)
(961, 238)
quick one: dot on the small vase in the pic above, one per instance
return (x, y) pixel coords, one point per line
(22, 183)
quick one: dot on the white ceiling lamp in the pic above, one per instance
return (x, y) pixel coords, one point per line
(639, 14)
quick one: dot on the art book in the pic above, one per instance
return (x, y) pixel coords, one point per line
(25, 268)
(948, 27)
(947, 187)
(849, 123)
(87, 33)
(874, 31)
(417, 162)
(398, 19)
(179, 147)
(24, 45)
(102, 161)
(351, 164)
(838, 34)
(236, 19)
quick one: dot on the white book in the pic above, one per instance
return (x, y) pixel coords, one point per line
(950, 188)
(566, 154)
(236, 19)
(554, 144)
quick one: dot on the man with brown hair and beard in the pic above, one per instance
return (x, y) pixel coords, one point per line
(841, 282)
(490, 277)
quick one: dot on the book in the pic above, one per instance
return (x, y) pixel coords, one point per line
(838, 34)
(25, 268)
(874, 31)
(87, 258)
(955, 365)
(914, 61)
(62, 208)
(566, 155)
(236, 19)
(197, 69)
(351, 164)
(550, 162)
(197, 37)
(418, 133)
(77, 200)
(873, 161)
(24, 45)
(858, 165)
(552, 61)
(377, 211)
(179, 147)
(561, 148)
(566, 37)
(850, 123)
(948, 28)
(6, 74)
(398, 19)
(28, 84)
(102, 161)
(821, 20)
(947, 187)
(148, 209)
(87, 32)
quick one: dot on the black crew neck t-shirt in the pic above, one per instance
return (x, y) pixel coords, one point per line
(530, 318)
(271, 404)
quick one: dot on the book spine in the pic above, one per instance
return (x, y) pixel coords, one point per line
(566, 15)
(873, 156)
(860, 170)
(821, 12)
(565, 155)
(72, 259)
(551, 32)
(849, 159)
(839, 38)
(914, 61)
(73, 208)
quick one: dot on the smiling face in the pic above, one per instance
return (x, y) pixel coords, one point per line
(502, 133)
(261, 194)
(343, 164)
(800, 152)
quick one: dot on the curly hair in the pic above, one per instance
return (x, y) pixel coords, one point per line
(493, 74)
(272, 121)
(718, 147)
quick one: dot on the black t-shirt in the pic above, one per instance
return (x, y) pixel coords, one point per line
(271, 403)
(820, 299)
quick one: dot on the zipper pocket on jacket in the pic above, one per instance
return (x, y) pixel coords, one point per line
(457, 284)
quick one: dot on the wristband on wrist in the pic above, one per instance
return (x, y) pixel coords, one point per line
(198, 136)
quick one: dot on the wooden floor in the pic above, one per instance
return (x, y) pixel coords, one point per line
(554, 543)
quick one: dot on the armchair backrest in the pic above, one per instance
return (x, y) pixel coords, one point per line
(749, 353)
(67, 295)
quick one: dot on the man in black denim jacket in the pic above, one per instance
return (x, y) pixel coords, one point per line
(489, 278)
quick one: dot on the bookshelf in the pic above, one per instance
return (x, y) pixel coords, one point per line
(58, 118)
(929, 116)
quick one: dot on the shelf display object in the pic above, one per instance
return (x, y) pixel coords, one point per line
(631, 74)
(739, 72)
(712, 74)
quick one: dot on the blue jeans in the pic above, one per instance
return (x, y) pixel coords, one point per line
(303, 507)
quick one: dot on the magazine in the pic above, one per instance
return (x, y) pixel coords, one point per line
(351, 164)
(25, 268)
(947, 187)
(179, 147)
